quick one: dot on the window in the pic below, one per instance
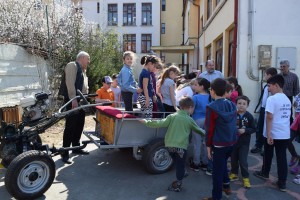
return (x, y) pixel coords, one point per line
(98, 7)
(208, 52)
(219, 54)
(146, 14)
(129, 17)
(163, 5)
(163, 28)
(129, 42)
(209, 7)
(112, 14)
(146, 43)
(230, 50)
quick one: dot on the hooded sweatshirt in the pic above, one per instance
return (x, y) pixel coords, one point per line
(220, 123)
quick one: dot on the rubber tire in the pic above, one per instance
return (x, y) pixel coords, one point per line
(150, 150)
(19, 165)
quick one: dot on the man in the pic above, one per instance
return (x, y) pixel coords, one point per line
(211, 74)
(291, 82)
(75, 78)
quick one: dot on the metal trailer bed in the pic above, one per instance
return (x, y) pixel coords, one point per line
(116, 128)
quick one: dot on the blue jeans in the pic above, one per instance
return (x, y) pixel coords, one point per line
(220, 171)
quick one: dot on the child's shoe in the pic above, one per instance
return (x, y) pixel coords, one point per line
(203, 166)
(175, 186)
(208, 172)
(246, 183)
(296, 181)
(233, 177)
(295, 170)
(293, 161)
(194, 167)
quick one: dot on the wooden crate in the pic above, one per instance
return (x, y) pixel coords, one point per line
(107, 127)
(11, 115)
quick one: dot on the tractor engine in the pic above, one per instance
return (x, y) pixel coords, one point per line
(34, 107)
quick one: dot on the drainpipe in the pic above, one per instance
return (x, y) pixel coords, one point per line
(183, 27)
(236, 12)
(198, 33)
(250, 50)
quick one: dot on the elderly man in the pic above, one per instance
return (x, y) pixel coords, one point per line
(211, 74)
(75, 78)
(291, 81)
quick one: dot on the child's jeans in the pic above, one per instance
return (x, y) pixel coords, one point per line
(220, 171)
(199, 146)
(179, 157)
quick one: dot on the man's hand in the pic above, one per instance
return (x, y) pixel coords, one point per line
(74, 104)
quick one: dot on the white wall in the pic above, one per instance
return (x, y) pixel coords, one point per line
(90, 14)
(21, 74)
(275, 23)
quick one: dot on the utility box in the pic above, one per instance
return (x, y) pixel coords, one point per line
(264, 56)
(286, 53)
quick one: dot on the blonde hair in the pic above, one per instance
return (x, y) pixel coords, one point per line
(130, 54)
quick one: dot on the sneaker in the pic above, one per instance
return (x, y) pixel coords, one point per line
(281, 187)
(255, 150)
(295, 170)
(233, 177)
(175, 186)
(208, 172)
(297, 176)
(203, 167)
(194, 167)
(261, 175)
(293, 161)
(246, 183)
(227, 191)
(296, 181)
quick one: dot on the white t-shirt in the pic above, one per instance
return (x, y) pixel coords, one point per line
(264, 98)
(186, 91)
(280, 106)
(117, 92)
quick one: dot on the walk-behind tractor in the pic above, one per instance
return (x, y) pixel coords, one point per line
(30, 167)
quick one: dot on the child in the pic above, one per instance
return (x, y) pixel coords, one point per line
(167, 88)
(261, 118)
(228, 91)
(105, 94)
(237, 89)
(220, 125)
(276, 131)
(245, 125)
(126, 80)
(179, 126)
(201, 100)
(154, 74)
(147, 97)
(116, 89)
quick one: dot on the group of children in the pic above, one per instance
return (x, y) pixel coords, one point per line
(216, 114)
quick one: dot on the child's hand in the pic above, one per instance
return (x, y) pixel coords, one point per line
(241, 131)
(209, 153)
(139, 90)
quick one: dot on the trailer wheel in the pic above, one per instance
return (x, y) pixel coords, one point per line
(30, 175)
(156, 157)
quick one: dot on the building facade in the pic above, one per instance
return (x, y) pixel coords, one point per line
(137, 23)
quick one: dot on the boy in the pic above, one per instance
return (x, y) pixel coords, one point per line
(105, 94)
(179, 126)
(246, 126)
(220, 125)
(276, 131)
(261, 118)
(116, 90)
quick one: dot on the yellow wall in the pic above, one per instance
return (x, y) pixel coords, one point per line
(218, 27)
(173, 36)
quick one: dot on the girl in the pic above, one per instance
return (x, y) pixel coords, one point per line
(201, 99)
(126, 80)
(167, 88)
(147, 97)
(117, 90)
(237, 89)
